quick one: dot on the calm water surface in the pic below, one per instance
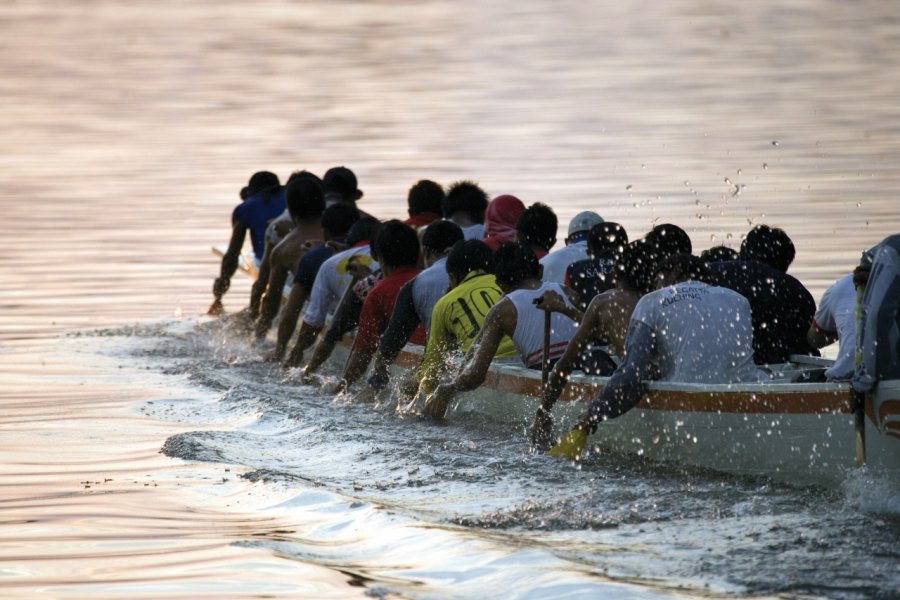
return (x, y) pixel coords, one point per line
(127, 130)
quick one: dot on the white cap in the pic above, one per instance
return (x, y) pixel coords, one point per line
(583, 221)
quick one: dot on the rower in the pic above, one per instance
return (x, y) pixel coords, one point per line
(576, 248)
(465, 204)
(593, 275)
(518, 274)
(336, 222)
(458, 316)
(423, 202)
(782, 307)
(687, 331)
(606, 318)
(305, 202)
(332, 280)
(500, 220)
(416, 300)
(398, 253)
(265, 201)
(536, 229)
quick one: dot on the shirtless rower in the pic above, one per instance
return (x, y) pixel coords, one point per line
(606, 318)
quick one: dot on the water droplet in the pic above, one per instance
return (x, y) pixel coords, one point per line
(628, 188)
(858, 204)
(727, 181)
(775, 143)
(712, 237)
(765, 166)
(739, 171)
(728, 236)
(687, 183)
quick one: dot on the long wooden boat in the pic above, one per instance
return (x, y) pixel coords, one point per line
(802, 433)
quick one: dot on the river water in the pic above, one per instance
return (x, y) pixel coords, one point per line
(127, 130)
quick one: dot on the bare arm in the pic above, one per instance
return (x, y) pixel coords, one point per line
(272, 301)
(230, 260)
(262, 281)
(289, 317)
(819, 338)
(305, 339)
(500, 321)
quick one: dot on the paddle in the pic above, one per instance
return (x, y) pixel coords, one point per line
(545, 363)
(858, 399)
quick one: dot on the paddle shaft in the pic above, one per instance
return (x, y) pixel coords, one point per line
(858, 399)
(545, 363)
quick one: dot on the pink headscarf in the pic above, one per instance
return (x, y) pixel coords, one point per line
(500, 220)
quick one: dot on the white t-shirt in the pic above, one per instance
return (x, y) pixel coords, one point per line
(529, 335)
(837, 315)
(704, 334)
(556, 263)
(331, 281)
(428, 287)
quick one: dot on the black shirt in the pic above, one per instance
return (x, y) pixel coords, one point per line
(590, 277)
(782, 307)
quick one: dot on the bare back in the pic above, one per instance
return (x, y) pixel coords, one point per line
(610, 313)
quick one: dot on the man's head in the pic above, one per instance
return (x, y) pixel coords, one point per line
(303, 174)
(537, 226)
(607, 239)
(438, 238)
(768, 245)
(262, 181)
(425, 197)
(718, 254)
(465, 197)
(669, 239)
(340, 184)
(397, 245)
(305, 199)
(676, 268)
(635, 269)
(515, 264)
(337, 220)
(361, 231)
(581, 224)
(467, 256)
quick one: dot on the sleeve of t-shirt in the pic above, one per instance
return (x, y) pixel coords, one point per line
(824, 318)
(402, 324)
(239, 215)
(307, 269)
(372, 320)
(319, 300)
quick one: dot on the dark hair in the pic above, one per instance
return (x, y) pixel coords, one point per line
(718, 254)
(338, 218)
(397, 244)
(304, 198)
(341, 181)
(636, 268)
(768, 245)
(467, 197)
(467, 256)
(362, 230)
(537, 226)
(669, 239)
(262, 181)
(686, 266)
(441, 235)
(302, 174)
(425, 197)
(514, 263)
(607, 239)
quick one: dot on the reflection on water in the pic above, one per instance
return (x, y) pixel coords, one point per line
(127, 129)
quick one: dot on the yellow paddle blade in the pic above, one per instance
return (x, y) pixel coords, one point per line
(571, 445)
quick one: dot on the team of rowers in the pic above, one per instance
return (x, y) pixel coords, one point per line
(474, 280)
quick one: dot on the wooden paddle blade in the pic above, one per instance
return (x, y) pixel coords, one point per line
(216, 309)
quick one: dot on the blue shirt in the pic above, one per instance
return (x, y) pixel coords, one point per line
(309, 266)
(255, 212)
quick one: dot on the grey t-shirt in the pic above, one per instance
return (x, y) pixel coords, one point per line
(428, 287)
(703, 334)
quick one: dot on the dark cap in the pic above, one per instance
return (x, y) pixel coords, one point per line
(262, 181)
(342, 181)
